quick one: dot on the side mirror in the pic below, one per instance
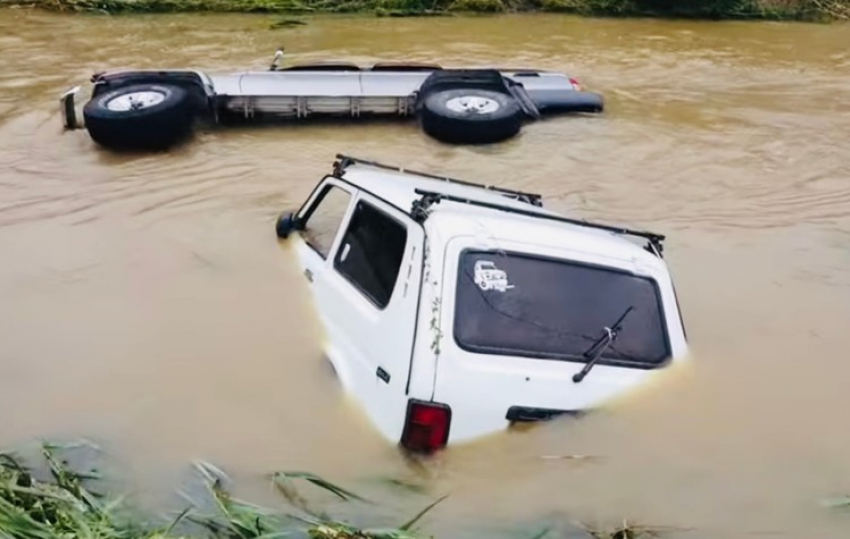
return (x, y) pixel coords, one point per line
(286, 223)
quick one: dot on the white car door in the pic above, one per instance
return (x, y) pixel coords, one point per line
(367, 292)
(321, 220)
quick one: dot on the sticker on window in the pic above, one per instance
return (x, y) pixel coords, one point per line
(489, 277)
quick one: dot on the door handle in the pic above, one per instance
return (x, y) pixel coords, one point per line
(309, 275)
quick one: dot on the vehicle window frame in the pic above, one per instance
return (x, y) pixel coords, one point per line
(363, 292)
(679, 309)
(542, 356)
(316, 198)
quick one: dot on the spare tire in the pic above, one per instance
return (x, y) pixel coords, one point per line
(471, 115)
(139, 117)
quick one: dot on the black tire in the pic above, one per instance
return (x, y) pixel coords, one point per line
(470, 127)
(154, 127)
(284, 225)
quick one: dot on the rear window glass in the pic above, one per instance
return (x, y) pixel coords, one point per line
(552, 309)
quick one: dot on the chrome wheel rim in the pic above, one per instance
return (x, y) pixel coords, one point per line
(472, 104)
(135, 101)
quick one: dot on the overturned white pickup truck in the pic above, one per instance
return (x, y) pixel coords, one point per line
(154, 109)
(453, 310)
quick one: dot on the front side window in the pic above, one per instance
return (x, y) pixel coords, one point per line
(371, 252)
(325, 218)
(522, 305)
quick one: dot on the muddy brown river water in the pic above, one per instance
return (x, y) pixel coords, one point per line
(146, 303)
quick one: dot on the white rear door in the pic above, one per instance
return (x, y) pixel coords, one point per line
(515, 327)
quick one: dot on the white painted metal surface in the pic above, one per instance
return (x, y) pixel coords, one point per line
(479, 388)
(362, 337)
(354, 83)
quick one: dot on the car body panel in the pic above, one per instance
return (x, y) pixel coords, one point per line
(483, 390)
(509, 380)
(370, 347)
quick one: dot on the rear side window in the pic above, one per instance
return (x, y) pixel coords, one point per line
(371, 252)
(521, 305)
(325, 218)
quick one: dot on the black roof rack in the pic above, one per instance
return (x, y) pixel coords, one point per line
(345, 160)
(419, 211)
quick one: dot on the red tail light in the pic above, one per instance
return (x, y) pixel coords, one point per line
(426, 428)
(576, 84)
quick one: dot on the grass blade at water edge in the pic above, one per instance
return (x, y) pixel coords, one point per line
(59, 506)
(15, 522)
(542, 533)
(340, 492)
(8, 460)
(407, 525)
(68, 480)
(174, 523)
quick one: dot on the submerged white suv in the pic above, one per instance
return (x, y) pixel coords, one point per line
(453, 310)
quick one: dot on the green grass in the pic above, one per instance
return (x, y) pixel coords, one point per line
(60, 503)
(698, 9)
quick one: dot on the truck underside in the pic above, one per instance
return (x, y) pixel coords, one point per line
(468, 102)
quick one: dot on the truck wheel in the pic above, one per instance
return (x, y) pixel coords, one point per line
(471, 116)
(139, 117)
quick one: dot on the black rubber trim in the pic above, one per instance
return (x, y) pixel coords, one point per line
(405, 67)
(525, 414)
(553, 101)
(331, 66)
(453, 79)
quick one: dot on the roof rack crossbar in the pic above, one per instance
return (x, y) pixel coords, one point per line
(345, 160)
(433, 197)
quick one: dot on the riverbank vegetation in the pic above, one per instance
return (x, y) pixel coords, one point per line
(821, 10)
(57, 501)
(47, 496)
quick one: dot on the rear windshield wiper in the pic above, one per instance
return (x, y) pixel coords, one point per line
(595, 352)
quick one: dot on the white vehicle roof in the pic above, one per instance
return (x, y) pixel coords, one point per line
(450, 218)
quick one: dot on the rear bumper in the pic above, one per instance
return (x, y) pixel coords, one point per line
(563, 101)
(524, 414)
